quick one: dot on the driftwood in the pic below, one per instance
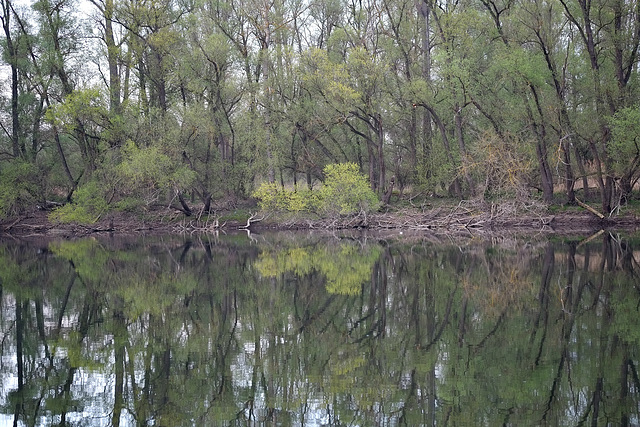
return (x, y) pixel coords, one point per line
(589, 208)
(466, 216)
(197, 226)
(251, 220)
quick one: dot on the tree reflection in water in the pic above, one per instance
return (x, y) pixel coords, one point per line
(319, 331)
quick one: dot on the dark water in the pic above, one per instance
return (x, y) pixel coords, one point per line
(309, 330)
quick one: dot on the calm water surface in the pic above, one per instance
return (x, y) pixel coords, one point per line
(312, 330)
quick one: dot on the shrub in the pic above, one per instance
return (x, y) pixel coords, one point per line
(149, 172)
(18, 186)
(89, 203)
(502, 166)
(272, 198)
(304, 200)
(346, 191)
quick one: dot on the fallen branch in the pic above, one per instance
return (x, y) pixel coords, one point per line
(251, 220)
(590, 209)
(10, 226)
(198, 227)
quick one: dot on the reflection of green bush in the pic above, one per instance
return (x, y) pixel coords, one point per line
(16, 277)
(346, 268)
(140, 295)
(89, 257)
(345, 192)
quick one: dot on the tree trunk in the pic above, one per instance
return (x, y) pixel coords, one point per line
(427, 131)
(540, 130)
(569, 179)
(455, 187)
(65, 165)
(583, 173)
(546, 177)
(207, 203)
(7, 10)
(112, 59)
(267, 89)
(372, 168)
(185, 207)
(389, 192)
(382, 168)
(462, 147)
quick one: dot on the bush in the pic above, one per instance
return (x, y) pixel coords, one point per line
(346, 191)
(269, 198)
(89, 203)
(502, 166)
(147, 173)
(272, 198)
(18, 187)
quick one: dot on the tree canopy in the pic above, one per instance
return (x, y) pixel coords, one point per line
(184, 102)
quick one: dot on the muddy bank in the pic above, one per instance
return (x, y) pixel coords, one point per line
(443, 220)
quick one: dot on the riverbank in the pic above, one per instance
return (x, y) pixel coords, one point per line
(463, 217)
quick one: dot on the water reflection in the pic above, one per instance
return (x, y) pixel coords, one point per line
(307, 330)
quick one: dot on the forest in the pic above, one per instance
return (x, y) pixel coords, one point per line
(129, 105)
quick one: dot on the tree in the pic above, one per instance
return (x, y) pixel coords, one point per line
(12, 56)
(624, 149)
(238, 92)
(610, 41)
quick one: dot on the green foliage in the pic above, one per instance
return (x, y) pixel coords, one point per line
(502, 165)
(328, 78)
(206, 95)
(148, 172)
(88, 256)
(84, 107)
(272, 198)
(520, 63)
(88, 205)
(303, 200)
(346, 191)
(399, 325)
(18, 187)
(435, 173)
(625, 130)
(142, 296)
(143, 167)
(269, 197)
(346, 267)
(16, 276)
(128, 204)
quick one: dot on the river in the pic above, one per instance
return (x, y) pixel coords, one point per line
(316, 329)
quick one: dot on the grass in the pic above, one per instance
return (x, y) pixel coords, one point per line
(239, 215)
